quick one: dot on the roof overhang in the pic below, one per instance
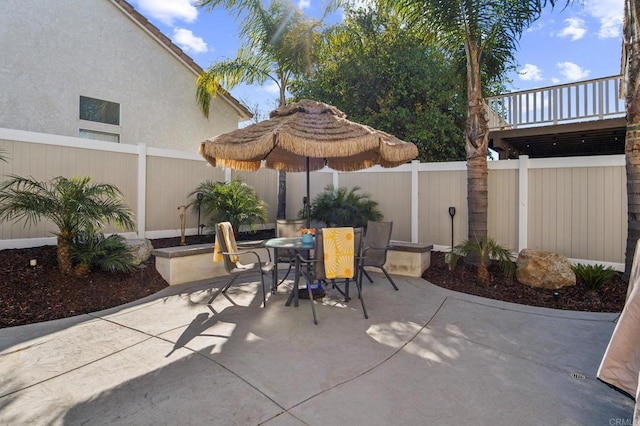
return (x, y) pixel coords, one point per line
(164, 41)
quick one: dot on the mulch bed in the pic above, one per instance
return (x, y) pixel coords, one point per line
(610, 298)
(30, 294)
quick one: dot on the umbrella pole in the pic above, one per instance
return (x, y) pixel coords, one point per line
(307, 205)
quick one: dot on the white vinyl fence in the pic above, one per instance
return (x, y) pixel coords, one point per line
(574, 206)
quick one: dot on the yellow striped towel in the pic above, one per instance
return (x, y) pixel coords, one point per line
(338, 245)
(230, 240)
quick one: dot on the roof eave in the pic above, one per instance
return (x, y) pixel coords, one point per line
(178, 53)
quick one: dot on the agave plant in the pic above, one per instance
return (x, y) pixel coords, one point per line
(486, 249)
(74, 205)
(344, 207)
(235, 202)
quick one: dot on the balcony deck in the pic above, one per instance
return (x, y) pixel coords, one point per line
(580, 118)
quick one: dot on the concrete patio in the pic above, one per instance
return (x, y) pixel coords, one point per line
(425, 356)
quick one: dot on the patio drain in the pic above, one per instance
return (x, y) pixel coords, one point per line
(578, 376)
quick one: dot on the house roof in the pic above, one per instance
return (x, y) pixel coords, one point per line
(138, 18)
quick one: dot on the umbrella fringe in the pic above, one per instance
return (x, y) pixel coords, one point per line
(307, 129)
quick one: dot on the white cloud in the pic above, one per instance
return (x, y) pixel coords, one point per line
(304, 4)
(271, 88)
(189, 42)
(537, 26)
(575, 28)
(530, 72)
(571, 71)
(609, 13)
(168, 11)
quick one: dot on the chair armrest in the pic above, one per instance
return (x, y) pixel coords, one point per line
(249, 244)
(310, 274)
(365, 249)
(244, 252)
(307, 261)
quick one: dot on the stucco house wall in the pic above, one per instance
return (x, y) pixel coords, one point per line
(53, 52)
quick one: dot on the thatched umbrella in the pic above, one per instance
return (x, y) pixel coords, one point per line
(305, 136)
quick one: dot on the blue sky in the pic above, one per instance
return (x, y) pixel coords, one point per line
(580, 42)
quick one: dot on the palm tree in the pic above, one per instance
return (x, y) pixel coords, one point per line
(278, 47)
(486, 249)
(235, 202)
(344, 207)
(631, 70)
(488, 32)
(74, 205)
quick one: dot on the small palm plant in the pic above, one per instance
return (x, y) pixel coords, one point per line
(344, 207)
(235, 202)
(110, 254)
(74, 205)
(486, 249)
(593, 276)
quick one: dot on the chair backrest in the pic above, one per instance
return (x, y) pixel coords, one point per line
(376, 242)
(227, 241)
(318, 253)
(289, 227)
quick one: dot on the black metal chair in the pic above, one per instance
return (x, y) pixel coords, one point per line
(315, 270)
(225, 239)
(375, 247)
(285, 228)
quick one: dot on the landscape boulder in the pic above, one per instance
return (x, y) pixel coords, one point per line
(543, 269)
(140, 249)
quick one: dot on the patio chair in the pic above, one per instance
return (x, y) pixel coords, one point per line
(285, 228)
(357, 240)
(374, 249)
(227, 249)
(316, 271)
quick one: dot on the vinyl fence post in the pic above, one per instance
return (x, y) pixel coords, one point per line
(523, 202)
(142, 190)
(415, 216)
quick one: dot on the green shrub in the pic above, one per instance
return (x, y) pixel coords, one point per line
(593, 276)
(485, 249)
(343, 207)
(235, 202)
(75, 205)
(91, 250)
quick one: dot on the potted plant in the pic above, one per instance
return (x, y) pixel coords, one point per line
(307, 235)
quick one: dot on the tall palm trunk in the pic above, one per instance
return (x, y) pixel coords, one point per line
(477, 141)
(631, 55)
(282, 176)
(282, 196)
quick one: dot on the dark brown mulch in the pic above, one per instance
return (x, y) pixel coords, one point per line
(610, 298)
(30, 294)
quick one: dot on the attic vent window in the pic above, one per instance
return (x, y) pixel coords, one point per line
(99, 111)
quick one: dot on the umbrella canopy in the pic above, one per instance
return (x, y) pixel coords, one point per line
(305, 130)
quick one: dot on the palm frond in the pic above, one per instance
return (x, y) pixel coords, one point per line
(246, 67)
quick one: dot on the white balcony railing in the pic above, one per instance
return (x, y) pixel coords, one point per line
(573, 102)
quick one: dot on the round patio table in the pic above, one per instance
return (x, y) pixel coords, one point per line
(295, 246)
